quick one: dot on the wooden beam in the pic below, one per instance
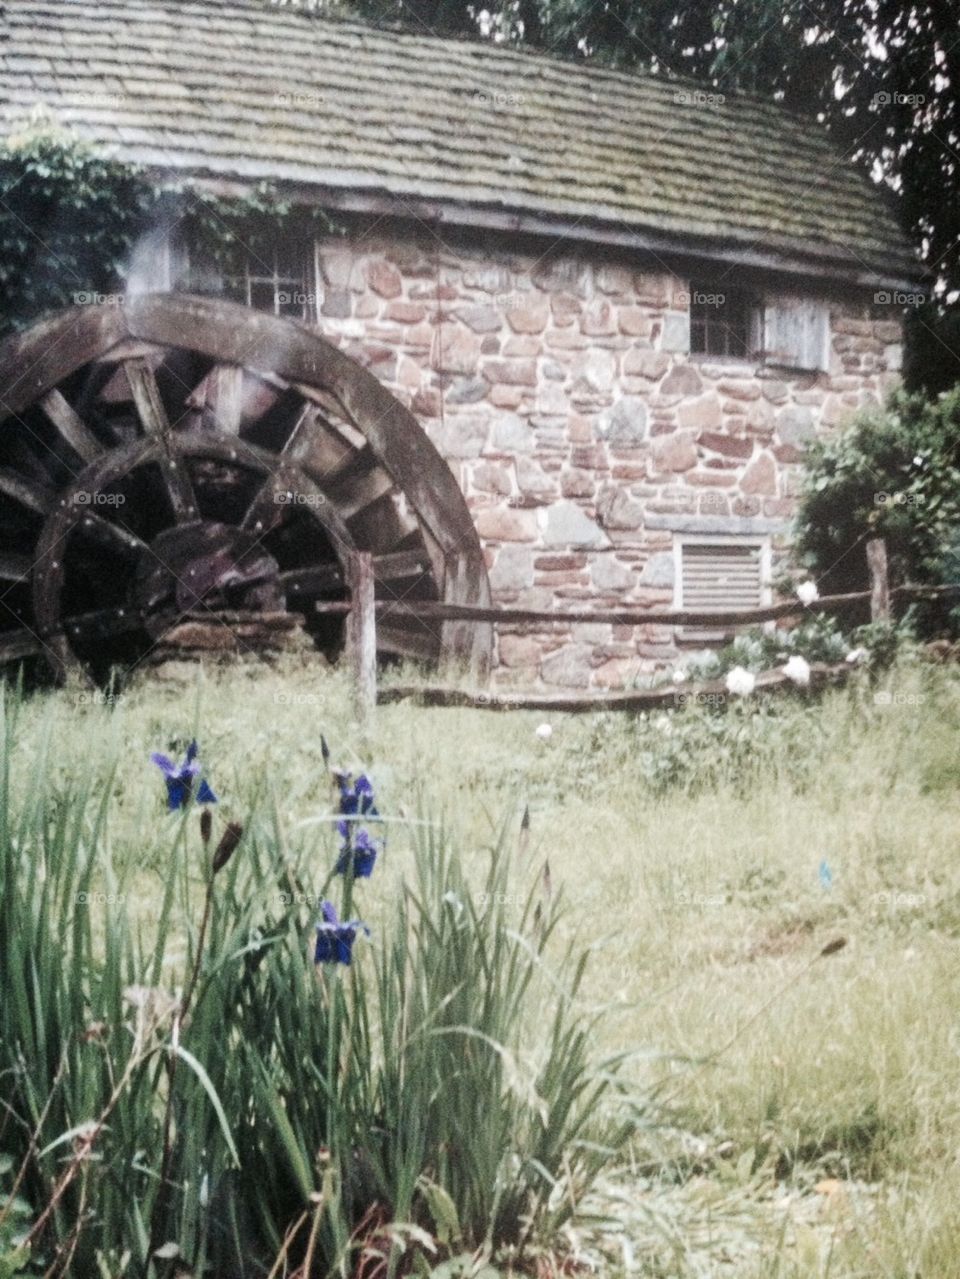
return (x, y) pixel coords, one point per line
(879, 580)
(668, 697)
(14, 567)
(146, 396)
(362, 636)
(73, 430)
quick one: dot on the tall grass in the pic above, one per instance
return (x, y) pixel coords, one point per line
(242, 1111)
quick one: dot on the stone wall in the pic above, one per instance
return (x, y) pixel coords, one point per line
(585, 437)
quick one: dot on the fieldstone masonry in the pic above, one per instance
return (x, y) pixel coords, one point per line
(560, 388)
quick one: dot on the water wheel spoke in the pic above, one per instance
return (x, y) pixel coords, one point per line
(267, 506)
(14, 567)
(153, 416)
(114, 537)
(102, 623)
(321, 579)
(15, 645)
(27, 493)
(71, 427)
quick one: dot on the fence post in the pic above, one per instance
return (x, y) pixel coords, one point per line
(879, 580)
(363, 636)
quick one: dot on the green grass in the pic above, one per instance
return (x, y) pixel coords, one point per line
(691, 853)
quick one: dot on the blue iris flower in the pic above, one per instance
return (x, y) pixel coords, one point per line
(335, 938)
(180, 779)
(363, 852)
(359, 849)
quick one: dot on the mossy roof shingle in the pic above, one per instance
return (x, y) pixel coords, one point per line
(247, 90)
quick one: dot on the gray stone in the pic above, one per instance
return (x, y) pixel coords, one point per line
(683, 379)
(336, 304)
(531, 478)
(608, 574)
(511, 434)
(676, 331)
(617, 509)
(795, 426)
(658, 570)
(512, 569)
(625, 425)
(482, 319)
(467, 390)
(460, 437)
(565, 524)
(739, 525)
(569, 667)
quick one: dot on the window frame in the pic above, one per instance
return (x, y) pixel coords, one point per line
(754, 308)
(188, 257)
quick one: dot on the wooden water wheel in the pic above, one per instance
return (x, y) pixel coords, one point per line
(176, 455)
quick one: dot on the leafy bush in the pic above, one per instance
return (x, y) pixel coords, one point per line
(359, 1119)
(894, 473)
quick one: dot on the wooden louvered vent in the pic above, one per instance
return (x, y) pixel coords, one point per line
(717, 576)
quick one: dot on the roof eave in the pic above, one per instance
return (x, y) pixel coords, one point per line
(784, 257)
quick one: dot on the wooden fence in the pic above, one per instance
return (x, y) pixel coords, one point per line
(363, 611)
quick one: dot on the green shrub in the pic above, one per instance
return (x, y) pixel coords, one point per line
(894, 473)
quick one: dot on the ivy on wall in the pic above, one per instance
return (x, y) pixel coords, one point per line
(71, 222)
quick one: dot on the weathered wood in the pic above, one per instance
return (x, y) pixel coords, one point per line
(33, 362)
(372, 449)
(362, 632)
(15, 568)
(879, 580)
(634, 616)
(667, 697)
(33, 497)
(230, 332)
(146, 396)
(73, 430)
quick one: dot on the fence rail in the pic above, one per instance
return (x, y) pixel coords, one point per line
(363, 611)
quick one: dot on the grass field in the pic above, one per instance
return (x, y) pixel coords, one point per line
(804, 1114)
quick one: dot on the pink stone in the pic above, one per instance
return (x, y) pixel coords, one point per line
(760, 477)
(599, 319)
(728, 445)
(651, 365)
(384, 279)
(505, 524)
(530, 318)
(703, 413)
(405, 312)
(674, 452)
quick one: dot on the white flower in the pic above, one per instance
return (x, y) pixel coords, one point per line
(798, 670)
(918, 460)
(807, 592)
(857, 655)
(679, 676)
(662, 722)
(740, 683)
(544, 731)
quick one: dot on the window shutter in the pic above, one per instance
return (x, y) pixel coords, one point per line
(796, 333)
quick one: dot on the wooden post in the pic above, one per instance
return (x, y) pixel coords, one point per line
(879, 580)
(363, 636)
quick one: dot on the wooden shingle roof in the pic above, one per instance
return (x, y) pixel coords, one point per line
(465, 131)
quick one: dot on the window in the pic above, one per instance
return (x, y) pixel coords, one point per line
(715, 575)
(275, 278)
(723, 322)
(782, 331)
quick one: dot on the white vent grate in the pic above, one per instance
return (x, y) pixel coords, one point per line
(721, 576)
